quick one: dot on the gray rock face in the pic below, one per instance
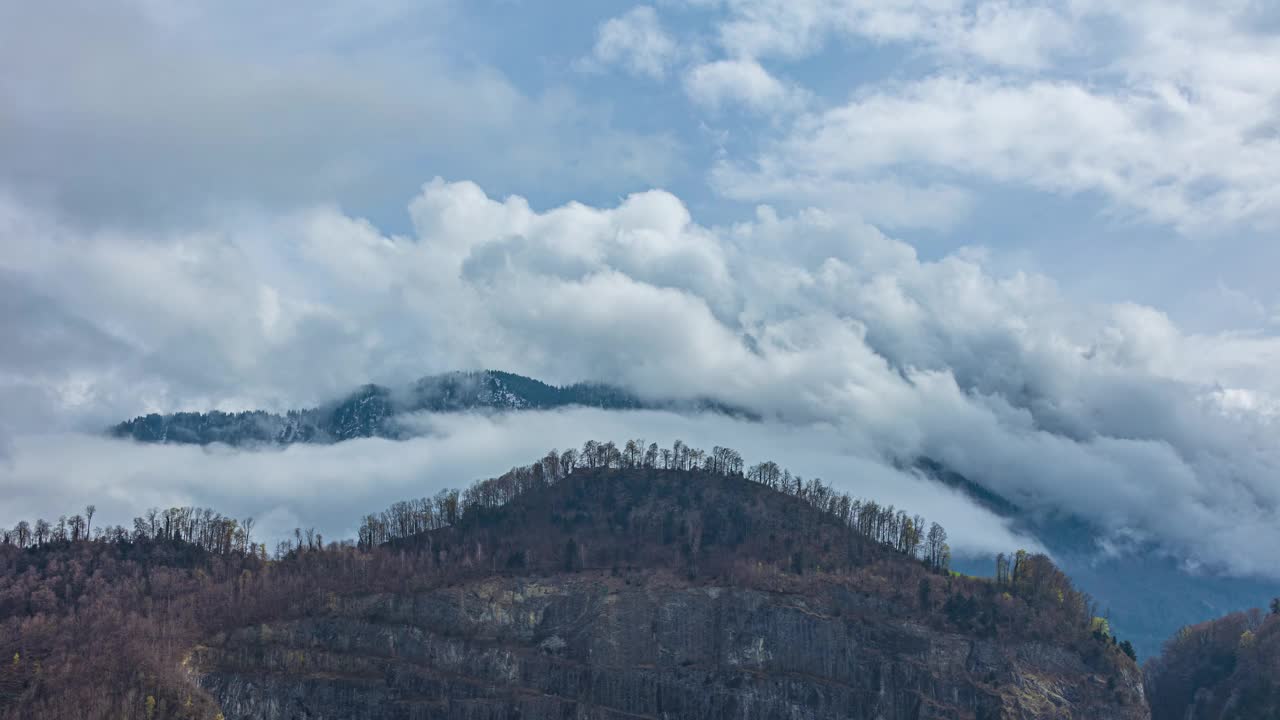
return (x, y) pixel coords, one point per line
(577, 646)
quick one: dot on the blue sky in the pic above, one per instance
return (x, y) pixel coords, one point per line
(993, 231)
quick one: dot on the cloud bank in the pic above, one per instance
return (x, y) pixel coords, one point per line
(330, 487)
(1167, 110)
(820, 323)
(153, 113)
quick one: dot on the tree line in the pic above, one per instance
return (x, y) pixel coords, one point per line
(908, 534)
(203, 527)
(213, 532)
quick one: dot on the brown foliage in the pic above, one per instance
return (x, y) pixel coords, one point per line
(1224, 668)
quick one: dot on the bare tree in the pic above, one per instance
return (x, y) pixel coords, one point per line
(568, 461)
(551, 465)
(76, 526)
(936, 550)
(651, 455)
(631, 453)
(590, 453)
(22, 533)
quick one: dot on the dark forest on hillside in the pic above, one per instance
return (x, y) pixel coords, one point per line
(1223, 669)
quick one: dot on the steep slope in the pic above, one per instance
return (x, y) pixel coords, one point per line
(591, 645)
(630, 594)
(377, 411)
(1225, 669)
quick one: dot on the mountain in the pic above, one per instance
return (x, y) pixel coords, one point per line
(1147, 594)
(378, 411)
(583, 586)
(1224, 669)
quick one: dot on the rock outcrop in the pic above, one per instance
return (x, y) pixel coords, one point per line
(643, 645)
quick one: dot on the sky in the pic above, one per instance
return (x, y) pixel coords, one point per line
(1032, 240)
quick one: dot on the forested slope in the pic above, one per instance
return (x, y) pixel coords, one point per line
(1224, 669)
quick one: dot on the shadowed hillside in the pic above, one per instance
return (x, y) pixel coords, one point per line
(1225, 669)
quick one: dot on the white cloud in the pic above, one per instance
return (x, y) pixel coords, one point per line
(1166, 110)
(331, 487)
(637, 42)
(141, 114)
(1168, 157)
(887, 201)
(818, 322)
(998, 32)
(715, 85)
(1015, 34)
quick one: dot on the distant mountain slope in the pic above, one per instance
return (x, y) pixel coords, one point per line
(1147, 594)
(376, 411)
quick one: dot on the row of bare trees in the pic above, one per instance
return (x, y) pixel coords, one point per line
(636, 454)
(408, 518)
(74, 528)
(908, 534)
(202, 527)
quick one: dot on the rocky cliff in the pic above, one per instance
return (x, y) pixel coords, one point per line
(591, 645)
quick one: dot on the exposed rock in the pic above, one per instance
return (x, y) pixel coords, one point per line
(595, 646)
